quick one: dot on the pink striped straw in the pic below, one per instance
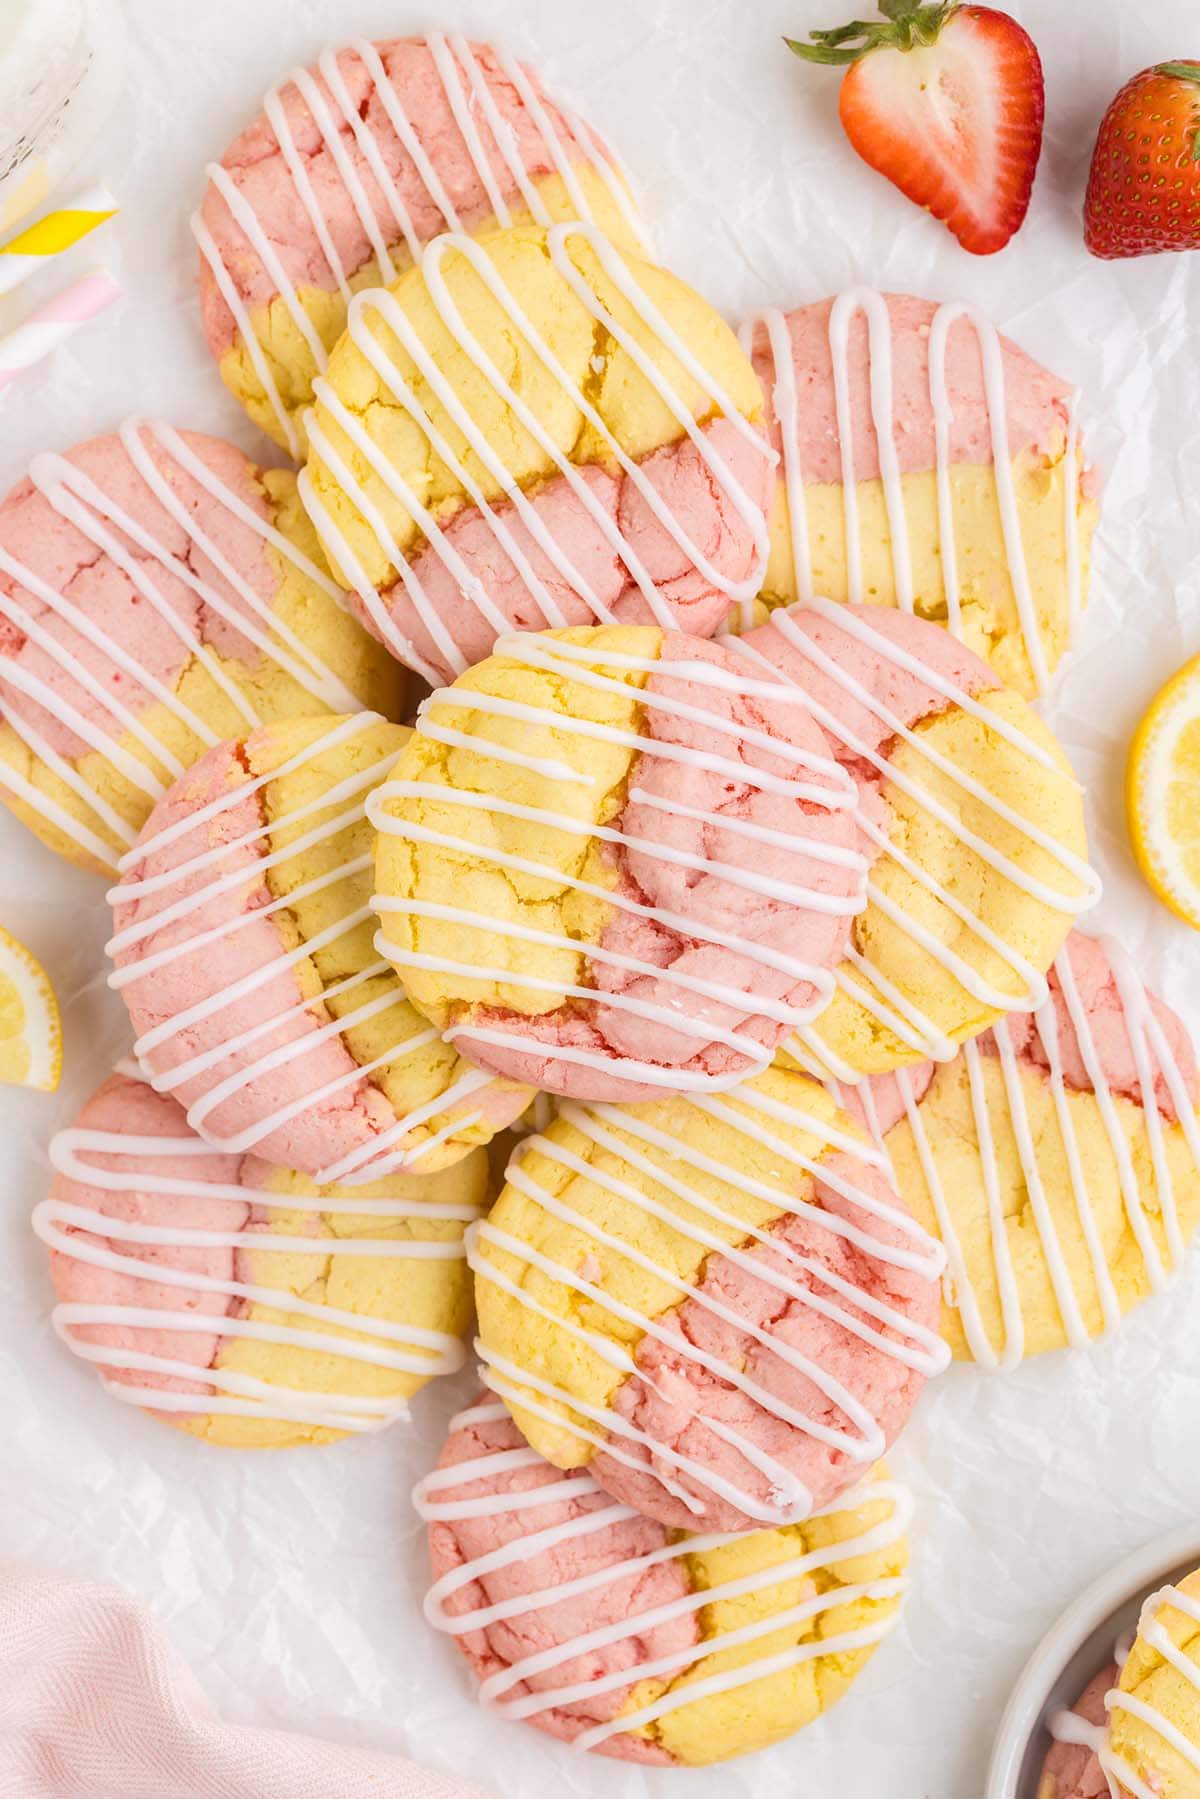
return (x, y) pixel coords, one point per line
(50, 325)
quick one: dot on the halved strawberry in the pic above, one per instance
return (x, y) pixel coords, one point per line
(1143, 191)
(947, 101)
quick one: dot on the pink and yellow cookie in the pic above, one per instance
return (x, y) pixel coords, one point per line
(929, 464)
(972, 822)
(612, 863)
(1151, 1749)
(1072, 1768)
(717, 1306)
(536, 429)
(1057, 1158)
(614, 1634)
(243, 951)
(239, 1300)
(348, 171)
(157, 593)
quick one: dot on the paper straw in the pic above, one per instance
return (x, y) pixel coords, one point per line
(51, 324)
(39, 244)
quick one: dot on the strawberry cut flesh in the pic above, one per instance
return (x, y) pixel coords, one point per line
(956, 125)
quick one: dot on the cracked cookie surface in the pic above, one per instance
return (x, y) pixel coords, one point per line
(244, 952)
(927, 463)
(158, 593)
(162, 1257)
(719, 1307)
(611, 862)
(612, 1633)
(534, 430)
(1057, 1156)
(350, 169)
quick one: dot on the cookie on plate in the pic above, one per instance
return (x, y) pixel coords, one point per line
(1063, 1197)
(972, 819)
(1152, 1749)
(616, 1635)
(927, 463)
(534, 430)
(243, 952)
(158, 593)
(239, 1300)
(611, 862)
(717, 1305)
(1072, 1768)
(348, 170)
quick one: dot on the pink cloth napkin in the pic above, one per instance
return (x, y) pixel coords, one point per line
(95, 1704)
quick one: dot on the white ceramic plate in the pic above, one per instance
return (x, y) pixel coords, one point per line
(1074, 1651)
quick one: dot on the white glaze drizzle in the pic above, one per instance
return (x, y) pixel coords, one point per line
(882, 999)
(873, 305)
(85, 1156)
(105, 523)
(494, 1465)
(827, 787)
(384, 306)
(658, 1161)
(342, 805)
(1155, 1064)
(1068, 1726)
(1122, 1778)
(392, 233)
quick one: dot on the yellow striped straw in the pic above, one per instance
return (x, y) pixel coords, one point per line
(38, 245)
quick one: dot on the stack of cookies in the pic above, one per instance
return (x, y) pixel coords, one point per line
(688, 989)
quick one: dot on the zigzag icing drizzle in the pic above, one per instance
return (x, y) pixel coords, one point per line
(384, 306)
(84, 1156)
(873, 305)
(1153, 1059)
(817, 780)
(495, 1465)
(665, 1160)
(390, 1149)
(99, 518)
(392, 234)
(882, 999)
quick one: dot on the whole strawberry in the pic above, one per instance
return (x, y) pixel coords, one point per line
(1143, 192)
(948, 102)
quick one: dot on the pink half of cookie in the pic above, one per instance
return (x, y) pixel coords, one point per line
(388, 144)
(900, 669)
(215, 987)
(833, 364)
(1110, 1048)
(105, 592)
(773, 937)
(523, 1550)
(123, 1111)
(681, 1405)
(1072, 1769)
(597, 541)
(182, 1275)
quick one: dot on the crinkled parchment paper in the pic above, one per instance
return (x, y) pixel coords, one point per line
(292, 1581)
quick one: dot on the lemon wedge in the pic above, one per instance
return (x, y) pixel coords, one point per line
(30, 1031)
(1162, 793)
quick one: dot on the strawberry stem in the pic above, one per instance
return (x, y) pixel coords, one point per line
(1182, 71)
(905, 25)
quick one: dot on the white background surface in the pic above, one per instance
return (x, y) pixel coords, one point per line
(292, 1581)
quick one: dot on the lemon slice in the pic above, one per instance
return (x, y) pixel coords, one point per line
(30, 1031)
(1162, 793)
